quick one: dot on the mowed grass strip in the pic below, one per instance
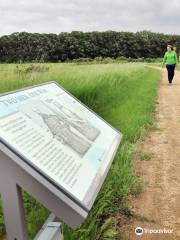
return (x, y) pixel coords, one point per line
(124, 95)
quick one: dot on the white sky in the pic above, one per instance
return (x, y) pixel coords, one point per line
(55, 16)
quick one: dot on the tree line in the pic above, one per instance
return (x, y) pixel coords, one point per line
(28, 47)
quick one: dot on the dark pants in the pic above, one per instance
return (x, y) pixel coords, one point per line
(170, 69)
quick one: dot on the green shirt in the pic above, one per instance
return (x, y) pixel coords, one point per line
(170, 58)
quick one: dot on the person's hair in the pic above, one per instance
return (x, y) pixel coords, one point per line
(172, 47)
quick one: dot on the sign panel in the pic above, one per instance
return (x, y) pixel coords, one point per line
(60, 138)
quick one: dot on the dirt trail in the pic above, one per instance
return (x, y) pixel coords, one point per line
(161, 174)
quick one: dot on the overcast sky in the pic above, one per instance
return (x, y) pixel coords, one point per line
(55, 16)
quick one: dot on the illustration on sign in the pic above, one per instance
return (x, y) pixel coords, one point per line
(66, 126)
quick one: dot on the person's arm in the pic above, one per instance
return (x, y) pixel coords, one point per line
(176, 58)
(164, 59)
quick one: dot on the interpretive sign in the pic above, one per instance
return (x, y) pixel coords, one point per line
(60, 138)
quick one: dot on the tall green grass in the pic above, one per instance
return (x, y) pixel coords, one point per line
(124, 95)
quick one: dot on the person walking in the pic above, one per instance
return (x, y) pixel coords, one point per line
(170, 59)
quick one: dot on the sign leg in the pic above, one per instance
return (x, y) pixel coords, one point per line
(14, 215)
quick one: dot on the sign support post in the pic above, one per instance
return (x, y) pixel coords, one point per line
(13, 208)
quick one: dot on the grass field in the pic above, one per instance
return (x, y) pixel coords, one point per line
(124, 95)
